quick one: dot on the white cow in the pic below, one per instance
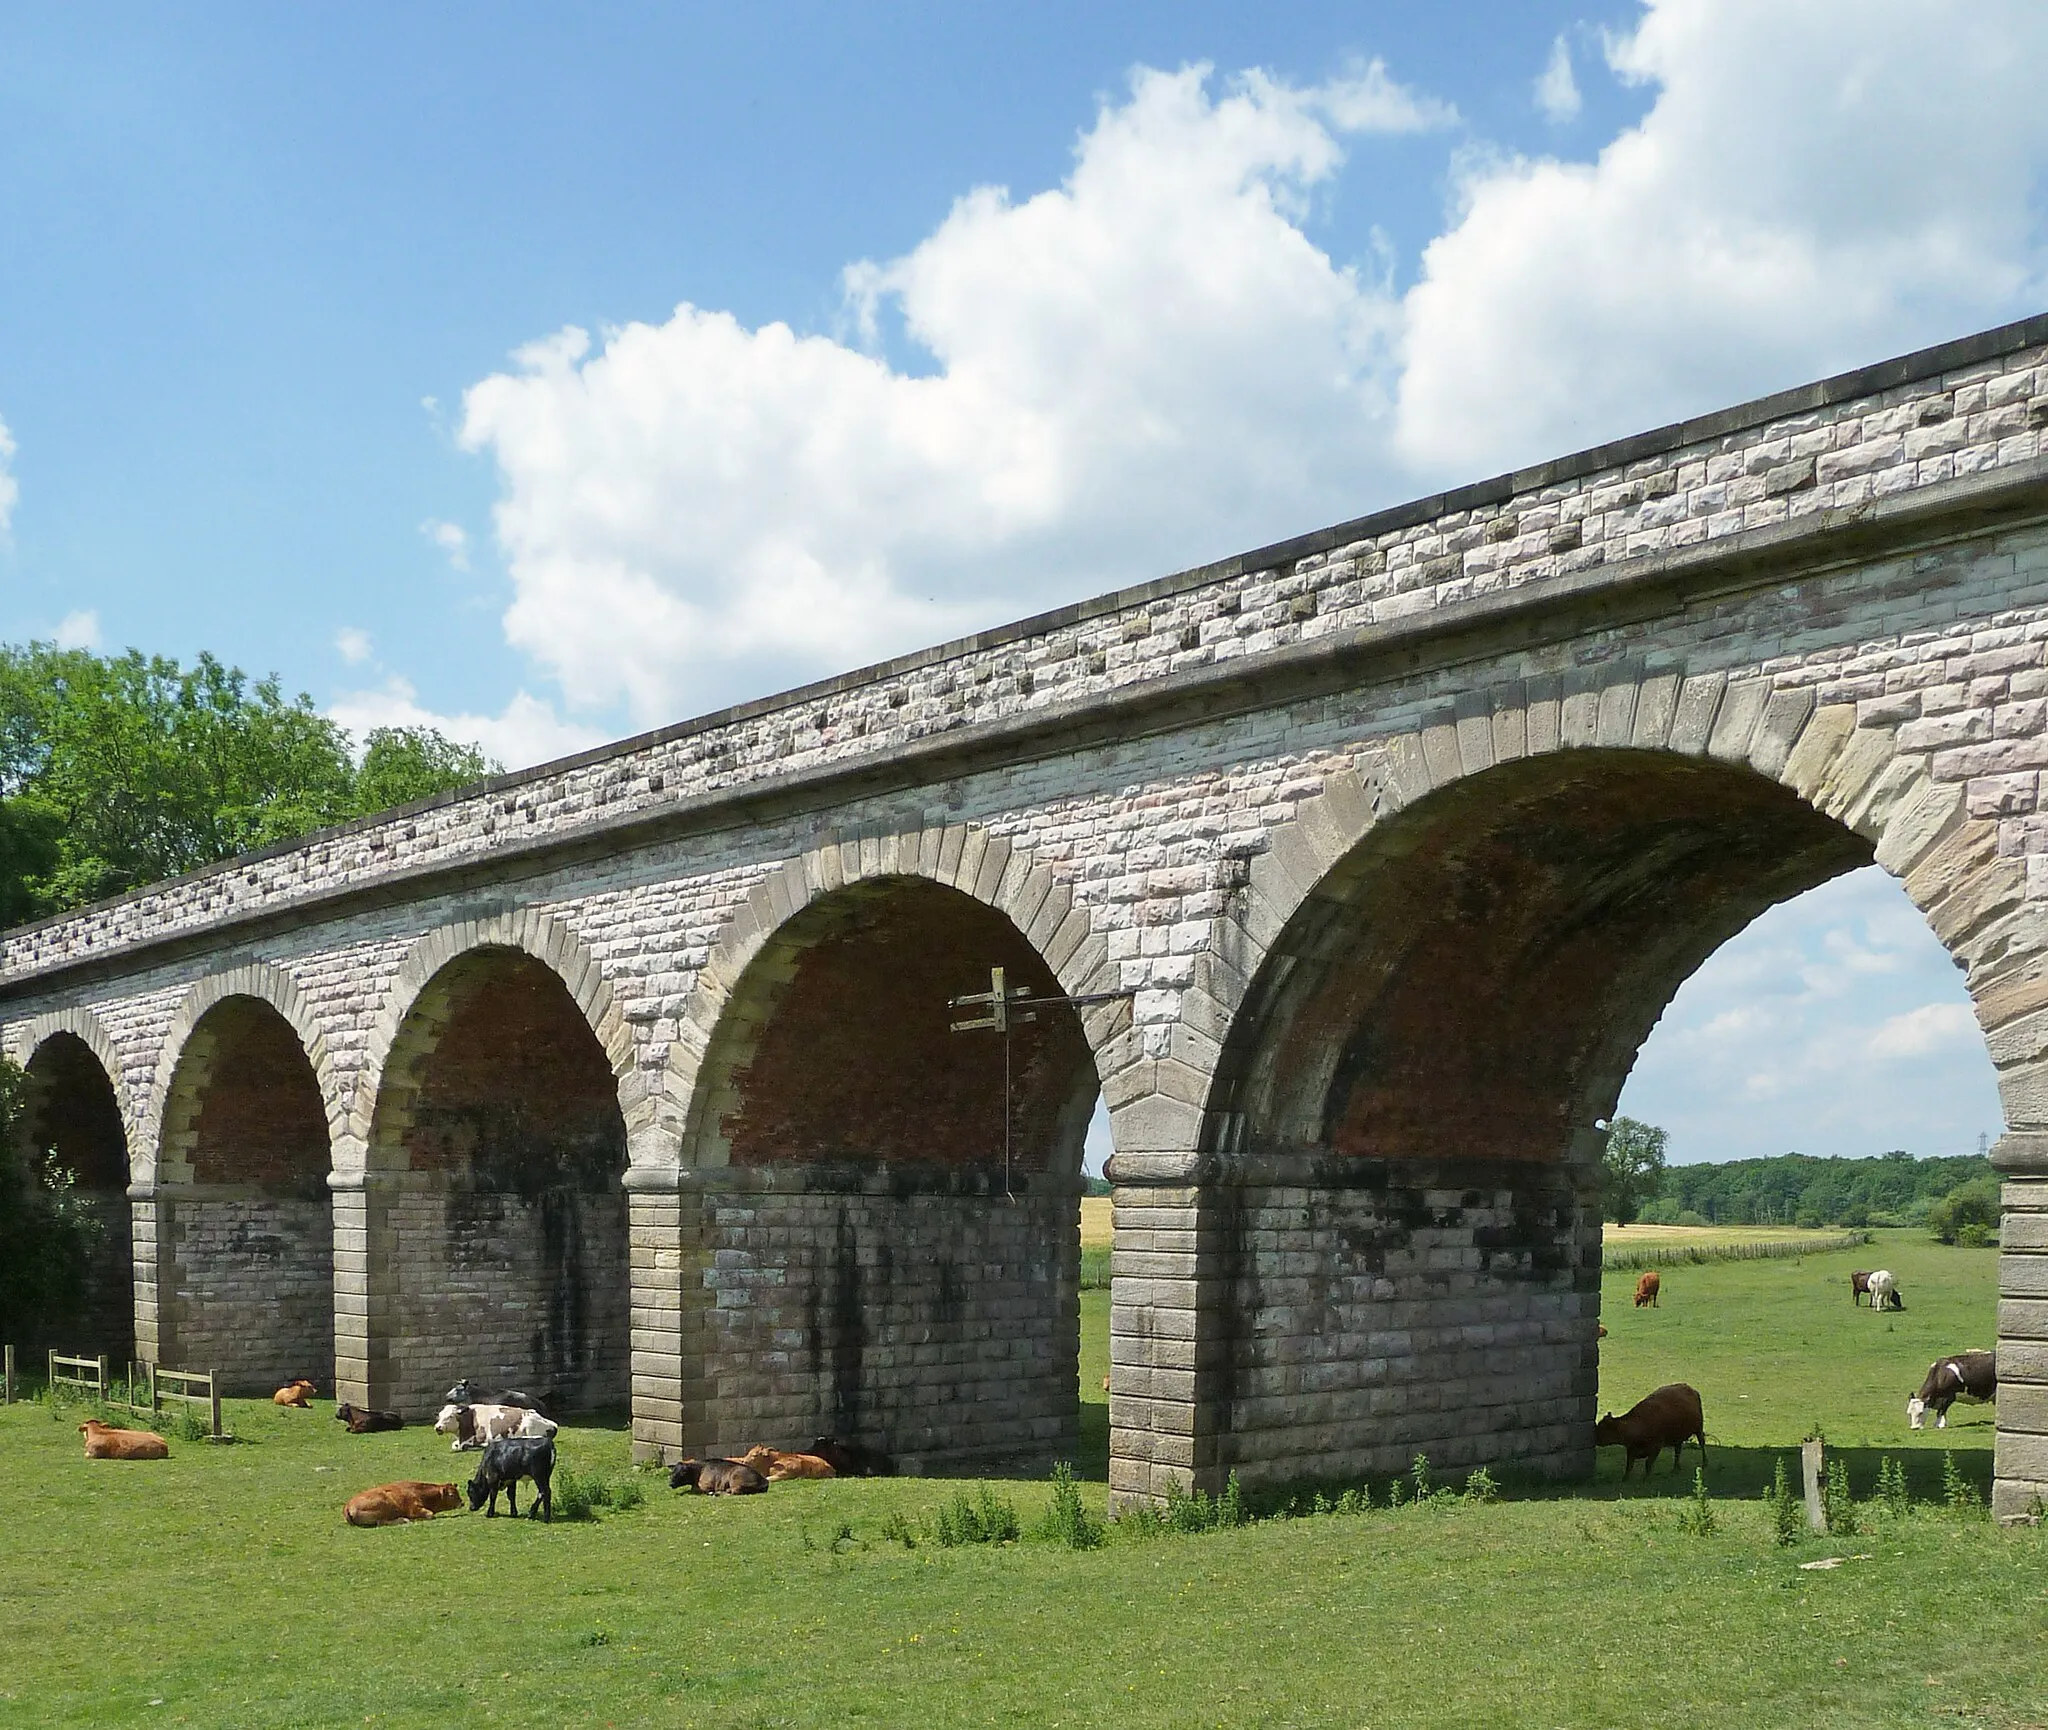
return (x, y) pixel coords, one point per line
(474, 1426)
(1884, 1292)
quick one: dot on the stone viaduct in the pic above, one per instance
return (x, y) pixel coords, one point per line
(630, 1075)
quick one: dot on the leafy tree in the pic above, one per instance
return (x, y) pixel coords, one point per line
(29, 834)
(1893, 1189)
(1969, 1205)
(1632, 1168)
(47, 1232)
(401, 764)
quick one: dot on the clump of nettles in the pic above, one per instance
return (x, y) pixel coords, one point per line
(1697, 1516)
(1786, 1513)
(1956, 1490)
(979, 1518)
(579, 1495)
(1066, 1519)
(1836, 1503)
(1891, 1488)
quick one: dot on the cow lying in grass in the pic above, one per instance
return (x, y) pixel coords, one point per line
(851, 1460)
(294, 1394)
(505, 1462)
(717, 1478)
(465, 1393)
(362, 1422)
(1668, 1418)
(775, 1465)
(104, 1442)
(479, 1426)
(1966, 1376)
(395, 1504)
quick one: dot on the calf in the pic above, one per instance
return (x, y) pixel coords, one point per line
(505, 1462)
(362, 1422)
(395, 1504)
(1884, 1291)
(463, 1394)
(851, 1460)
(478, 1426)
(1667, 1418)
(1647, 1288)
(775, 1465)
(294, 1394)
(717, 1478)
(103, 1442)
(1966, 1376)
(1859, 1286)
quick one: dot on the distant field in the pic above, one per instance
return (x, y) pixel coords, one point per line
(1095, 1222)
(1715, 1235)
(221, 1587)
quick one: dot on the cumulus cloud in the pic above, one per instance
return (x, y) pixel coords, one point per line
(10, 488)
(352, 645)
(1155, 362)
(1144, 366)
(1813, 186)
(78, 630)
(451, 538)
(1922, 1032)
(525, 732)
(1557, 90)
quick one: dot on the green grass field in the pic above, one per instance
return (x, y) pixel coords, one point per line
(222, 1588)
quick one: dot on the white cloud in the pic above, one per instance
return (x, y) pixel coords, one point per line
(1922, 1032)
(528, 731)
(352, 645)
(1145, 366)
(10, 488)
(1557, 90)
(451, 538)
(1814, 186)
(78, 630)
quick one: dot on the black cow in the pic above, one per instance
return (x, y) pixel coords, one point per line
(717, 1478)
(362, 1422)
(1965, 1376)
(505, 1462)
(851, 1460)
(467, 1393)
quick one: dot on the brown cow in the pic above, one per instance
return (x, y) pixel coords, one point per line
(1859, 1286)
(294, 1394)
(104, 1442)
(363, 1422)
(396, 1504)
(775, 1465)
(1668, 1418)
(1647, 1288)
(851, 1460)
(717, 1478)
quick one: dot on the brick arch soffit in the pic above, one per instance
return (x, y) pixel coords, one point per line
(963, 856)
(1946, 861)
(268, 984)
(26, 1038)
(545, 939)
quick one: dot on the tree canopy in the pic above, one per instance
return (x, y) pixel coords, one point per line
(121, 770)
(1631, 1168)
(1798, 1189)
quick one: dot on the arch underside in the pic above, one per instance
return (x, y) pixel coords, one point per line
(497, 1239)
(871, 1269)
(1420, 1077)
(243, 1228)
(72, 1127)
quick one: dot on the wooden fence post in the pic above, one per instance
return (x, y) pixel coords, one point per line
(103, 1378)
(1810, 1468)
(7, 1375)
(213, 1388)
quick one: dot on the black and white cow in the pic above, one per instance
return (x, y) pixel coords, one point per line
(1966, 1376)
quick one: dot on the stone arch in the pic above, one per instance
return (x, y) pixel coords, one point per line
(1879, 800)
(532, 933)
(965, 857)
(267, 984)
(25, 1038)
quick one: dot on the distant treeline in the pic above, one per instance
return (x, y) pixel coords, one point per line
(1797, 1189)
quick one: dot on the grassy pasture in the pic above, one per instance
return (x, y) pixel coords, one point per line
(222, 1588)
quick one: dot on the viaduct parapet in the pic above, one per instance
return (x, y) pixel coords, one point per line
(630, 1076)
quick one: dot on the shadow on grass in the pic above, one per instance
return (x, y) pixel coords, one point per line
(1748, 1472)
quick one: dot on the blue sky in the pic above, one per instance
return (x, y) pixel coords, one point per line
(548, 374)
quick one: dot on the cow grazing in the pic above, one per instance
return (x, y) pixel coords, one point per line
(466, 1393)
(1647, 1288)
(505, 1462)
(775, 1465)
(717, 1478)
(1884, 1291)
(851, 1460)
(395, 1504)
(294, 1394)
(362, 1422)
(1667, 1418)
(104, 1442)
(1602, 1326)
(1859, 1286)
(479, 1426)
(1966, 1376)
